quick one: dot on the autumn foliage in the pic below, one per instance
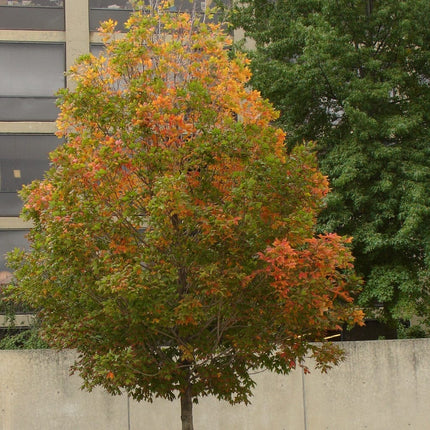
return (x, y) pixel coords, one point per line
(173, 242)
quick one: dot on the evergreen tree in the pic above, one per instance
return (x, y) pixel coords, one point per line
(354, 75)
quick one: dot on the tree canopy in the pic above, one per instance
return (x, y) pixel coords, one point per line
(174, 239)
(354, 75)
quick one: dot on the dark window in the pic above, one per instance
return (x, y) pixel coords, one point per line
(97, 16)
(111, 4)
(97, 49)
(10, 204)
(9, 240)
(28, 109)
(23, 158)
(33, 3)
(32, 15)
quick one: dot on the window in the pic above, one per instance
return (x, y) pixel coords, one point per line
(32, 15)
(23, 158)
(97, 49)
(102, 10)
(31, 69)
(28, 109)
(10, 239)
(111, 4)
(31, 3)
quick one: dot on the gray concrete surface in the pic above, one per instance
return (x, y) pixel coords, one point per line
(382, 385)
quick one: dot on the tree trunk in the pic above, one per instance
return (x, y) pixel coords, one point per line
(369, 7)
(187, 409)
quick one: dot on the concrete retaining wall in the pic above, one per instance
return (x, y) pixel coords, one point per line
(382, 385)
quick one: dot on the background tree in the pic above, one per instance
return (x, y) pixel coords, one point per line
(173, 244)
(354, 75)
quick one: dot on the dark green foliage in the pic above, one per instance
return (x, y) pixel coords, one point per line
(13, 337)
(413, 332)
(355, 76)
(25, 339)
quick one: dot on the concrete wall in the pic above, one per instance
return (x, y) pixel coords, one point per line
(383, 385)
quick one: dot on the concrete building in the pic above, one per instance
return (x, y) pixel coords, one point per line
(39, 41)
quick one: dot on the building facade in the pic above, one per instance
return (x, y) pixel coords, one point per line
(39, 41)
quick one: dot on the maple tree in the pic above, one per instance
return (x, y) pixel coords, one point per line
(174, 237)
(354, 76)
